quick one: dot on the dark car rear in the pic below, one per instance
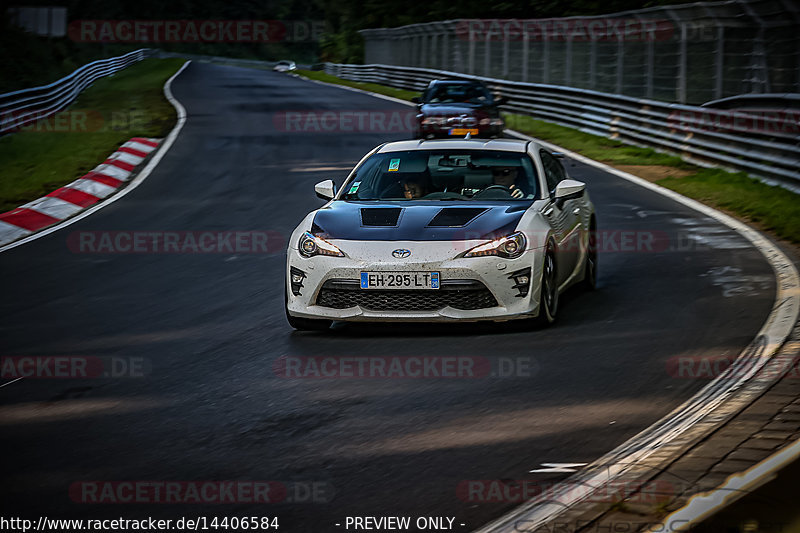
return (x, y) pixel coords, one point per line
(453, 108)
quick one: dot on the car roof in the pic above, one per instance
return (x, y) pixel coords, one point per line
(456, 82)
(503, 145)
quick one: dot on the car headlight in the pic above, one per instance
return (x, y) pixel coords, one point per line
(491, 122)
(509, 247)
(311, 245)
(433, 121)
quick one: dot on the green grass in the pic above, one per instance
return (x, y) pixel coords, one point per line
(49, 154)
(592, 146)
(775, 208)
(402, 94)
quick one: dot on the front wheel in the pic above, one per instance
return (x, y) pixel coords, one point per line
(548, 301)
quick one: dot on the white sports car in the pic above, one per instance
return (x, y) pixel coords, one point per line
(442, 230)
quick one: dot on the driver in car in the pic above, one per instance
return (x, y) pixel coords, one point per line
(507, 177)
(413, 189)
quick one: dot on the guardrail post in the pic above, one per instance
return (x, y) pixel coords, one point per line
(471, 53)
(487, 54)
(505, 55)
(545, 58)
(681, 89)
(568, 61)
(445, 51)
(650, 67)
(720, 59)
(525, 44)
(620, 62)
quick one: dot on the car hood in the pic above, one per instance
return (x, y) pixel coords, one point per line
(420, 220)
(476, 110)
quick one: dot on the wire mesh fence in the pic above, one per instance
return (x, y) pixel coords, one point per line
(691, 53)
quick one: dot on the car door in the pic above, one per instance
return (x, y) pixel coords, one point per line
(564, 218)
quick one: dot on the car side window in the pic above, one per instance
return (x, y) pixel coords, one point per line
(553, 171)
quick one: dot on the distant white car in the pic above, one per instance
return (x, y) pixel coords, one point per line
(284, 66)
(442, 230)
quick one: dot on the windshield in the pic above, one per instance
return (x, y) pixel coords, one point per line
(459, 93)
(443, 175)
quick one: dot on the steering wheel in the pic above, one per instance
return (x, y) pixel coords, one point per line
(496, 186)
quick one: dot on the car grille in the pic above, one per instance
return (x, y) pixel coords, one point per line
(458, 294)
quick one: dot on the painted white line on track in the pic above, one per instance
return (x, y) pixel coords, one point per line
(557, 468)
(151, 165)
(9, 382)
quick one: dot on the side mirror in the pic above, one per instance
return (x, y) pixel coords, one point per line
(325, 189)
(502, 100)
(416, 100)
(569, 190)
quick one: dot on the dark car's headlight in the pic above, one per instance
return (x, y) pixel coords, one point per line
(433, 121)
(492, 122)
(509, 247)
(311, 245)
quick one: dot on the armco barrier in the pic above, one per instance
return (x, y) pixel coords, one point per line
(763, 143)
(19, 108)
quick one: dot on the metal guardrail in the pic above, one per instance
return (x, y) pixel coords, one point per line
(22, 107)
(765, 143)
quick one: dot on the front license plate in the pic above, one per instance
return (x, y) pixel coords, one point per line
(463, 131)
(399, 280)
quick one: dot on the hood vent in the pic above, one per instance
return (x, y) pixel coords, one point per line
(454, 217)
(380, 216)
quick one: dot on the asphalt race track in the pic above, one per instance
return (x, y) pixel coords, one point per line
(210, 329)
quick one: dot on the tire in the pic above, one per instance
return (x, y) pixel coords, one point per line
(590, 267)
(548, 300)
(305, 324)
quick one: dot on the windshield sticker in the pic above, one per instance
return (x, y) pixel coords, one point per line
(394, 165)
(354, 188)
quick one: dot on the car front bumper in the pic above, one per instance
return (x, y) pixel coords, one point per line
(430, 131)
(330, 284)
